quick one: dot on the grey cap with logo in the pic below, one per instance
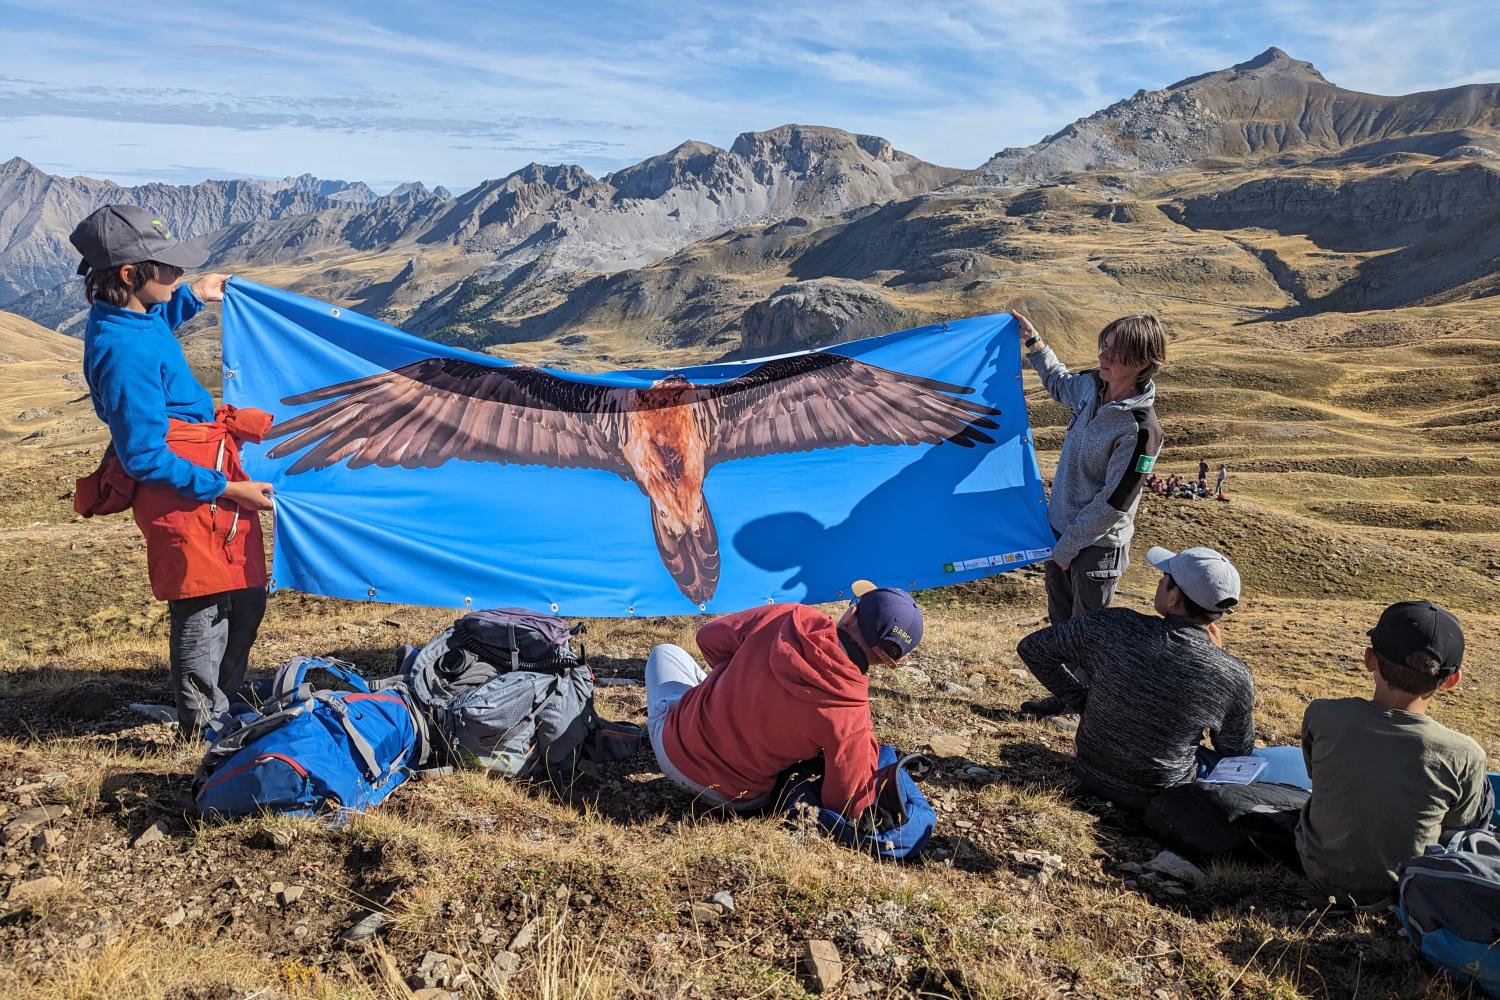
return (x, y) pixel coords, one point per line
(1203, 574)
(128, 234)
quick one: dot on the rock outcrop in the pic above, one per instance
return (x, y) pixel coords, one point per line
(1301, 202)
(816, 314)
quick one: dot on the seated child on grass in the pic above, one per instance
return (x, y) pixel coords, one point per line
(1388, 780)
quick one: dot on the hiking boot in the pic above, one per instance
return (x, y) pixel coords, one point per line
(1050, 706)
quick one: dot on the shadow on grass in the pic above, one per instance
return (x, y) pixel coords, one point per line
(136, 799)
(51, 702)
(1328, 954)
(624, 667)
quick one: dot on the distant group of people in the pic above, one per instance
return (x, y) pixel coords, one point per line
(787, 682)
(1179, 487)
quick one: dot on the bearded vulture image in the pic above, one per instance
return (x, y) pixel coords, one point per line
(664, 438)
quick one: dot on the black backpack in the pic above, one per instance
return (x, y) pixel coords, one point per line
(1206, 819)
(517, 639)
(505, 692)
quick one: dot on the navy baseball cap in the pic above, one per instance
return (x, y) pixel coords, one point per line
(887, 615)
(1419, 627)
(128, 234)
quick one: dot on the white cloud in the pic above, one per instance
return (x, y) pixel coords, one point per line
(457, 92)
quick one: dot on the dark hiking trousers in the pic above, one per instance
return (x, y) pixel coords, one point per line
(1087, 584)
(210, 649)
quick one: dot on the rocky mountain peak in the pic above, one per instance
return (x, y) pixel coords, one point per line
(412, 192)
(1272, 63)
(655, 175)
(1277, 61)
(801, 144)
(15, 167)
(562, 176)
(1269, 105)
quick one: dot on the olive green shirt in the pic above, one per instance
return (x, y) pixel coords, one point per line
(1386, 783)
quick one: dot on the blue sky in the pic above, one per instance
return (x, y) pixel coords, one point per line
(454, 93)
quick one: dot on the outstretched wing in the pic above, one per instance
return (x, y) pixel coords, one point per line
(437, 409)
(820, 400)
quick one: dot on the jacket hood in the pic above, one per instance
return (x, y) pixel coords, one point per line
(809, 661)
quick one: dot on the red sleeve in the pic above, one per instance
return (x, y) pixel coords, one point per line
(849, 766)
(721, 638)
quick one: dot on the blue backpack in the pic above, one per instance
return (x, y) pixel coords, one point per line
(313, 749)
(909, 825)
(1448, 902)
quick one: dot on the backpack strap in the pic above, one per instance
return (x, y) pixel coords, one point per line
(425, 748)
(1474, 842)
(356, 738)
(291, 679)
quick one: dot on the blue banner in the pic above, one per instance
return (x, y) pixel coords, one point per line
(413, 472)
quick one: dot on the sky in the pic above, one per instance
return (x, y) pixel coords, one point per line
(456, 93)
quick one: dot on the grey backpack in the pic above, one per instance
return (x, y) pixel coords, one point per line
(1448, 902)
(504, 691)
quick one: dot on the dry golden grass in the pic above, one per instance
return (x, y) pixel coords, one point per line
(1361, 468)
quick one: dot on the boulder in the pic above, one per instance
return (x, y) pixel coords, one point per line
(824, 965)
(817, 313)
(25, 892)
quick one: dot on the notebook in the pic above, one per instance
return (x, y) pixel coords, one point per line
(1236, 771)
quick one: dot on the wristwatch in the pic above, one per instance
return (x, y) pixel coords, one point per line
(1032, 340)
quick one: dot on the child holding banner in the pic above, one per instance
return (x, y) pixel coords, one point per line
(1112, 442)
(172, 457)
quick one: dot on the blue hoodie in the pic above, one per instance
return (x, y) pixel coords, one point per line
(139, 378)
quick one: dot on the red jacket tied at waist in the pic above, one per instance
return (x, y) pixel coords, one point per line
(781, 691)
(192, 548)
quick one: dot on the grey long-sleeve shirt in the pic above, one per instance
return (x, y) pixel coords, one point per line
(1105, 456)
(1153, 685)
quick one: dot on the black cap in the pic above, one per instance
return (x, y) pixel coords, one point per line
(128, 234)
(885, 614)
(1419, 627)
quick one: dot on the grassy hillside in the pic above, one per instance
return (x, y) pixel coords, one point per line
(1362, 453)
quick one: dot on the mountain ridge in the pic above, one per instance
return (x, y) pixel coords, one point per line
(1263, 107)
(38, 210)
(656, 247)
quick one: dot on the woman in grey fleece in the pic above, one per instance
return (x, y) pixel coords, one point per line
(1112, 442)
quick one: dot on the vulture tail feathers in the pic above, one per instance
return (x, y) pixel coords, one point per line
(689, 551)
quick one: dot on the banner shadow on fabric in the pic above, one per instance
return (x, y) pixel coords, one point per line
(413, 472)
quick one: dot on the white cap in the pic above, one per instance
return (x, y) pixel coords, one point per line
(1203, 574)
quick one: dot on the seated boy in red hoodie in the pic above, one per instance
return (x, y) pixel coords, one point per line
(787, 684)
